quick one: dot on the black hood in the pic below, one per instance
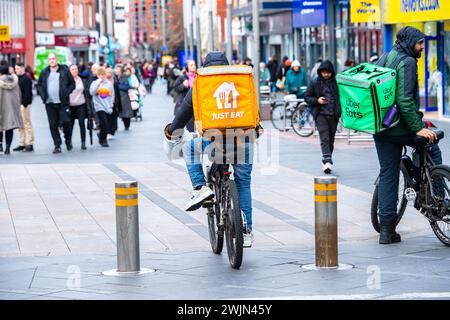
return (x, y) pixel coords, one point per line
(326, 65)
(215, 58)
(407, 38)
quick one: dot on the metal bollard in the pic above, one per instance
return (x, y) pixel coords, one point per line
(325, 200)
(127, 226)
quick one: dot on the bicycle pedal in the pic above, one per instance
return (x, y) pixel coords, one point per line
(410, 194)
(208, 204)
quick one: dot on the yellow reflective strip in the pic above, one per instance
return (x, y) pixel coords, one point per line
(325, 198)
(126, 191)
(126, 202)
(325, 187)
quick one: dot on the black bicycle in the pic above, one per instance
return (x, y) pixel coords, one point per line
(426, 185)
(224, 214)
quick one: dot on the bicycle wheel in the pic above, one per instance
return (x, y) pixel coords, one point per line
(401, 202)
(440, 204)
(302, 122)
(277, 117)
(215, 231)
(234, 227)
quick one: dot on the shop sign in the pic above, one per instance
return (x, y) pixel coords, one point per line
(15, 45)
(4, 33)
(72, 41)
(309, 13)
(365, 11)
(403, 11)
(45, 39)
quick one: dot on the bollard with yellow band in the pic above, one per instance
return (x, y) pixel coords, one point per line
(325, 203)
(127, 226)
(127, 231)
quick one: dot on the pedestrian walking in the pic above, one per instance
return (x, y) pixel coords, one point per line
(115, 113)
(26, 135)
(126, 112)
(102, 92)
(79, 104)
(323, 96)
(10, 102)
(264, 75)
(55, 85)
(272, 65)
(296, 79)
(182, 86)
(283, 68)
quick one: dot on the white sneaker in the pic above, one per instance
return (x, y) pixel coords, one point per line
(198, 197)
(248, 240)
(327, 167)
(109, 137)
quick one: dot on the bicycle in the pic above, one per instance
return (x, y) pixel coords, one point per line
(224, 213)
(296, 113)
(426, 185)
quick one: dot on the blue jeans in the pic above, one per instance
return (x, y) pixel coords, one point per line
(389, 150)
(242, 171)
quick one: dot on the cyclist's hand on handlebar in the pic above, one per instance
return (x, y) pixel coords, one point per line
(428, 134)
(322, 100)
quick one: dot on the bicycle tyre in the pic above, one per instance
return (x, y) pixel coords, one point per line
(215, 234)
(277, 116)
(400, 207)
(298, 127)
(436, 172)
(234, 226)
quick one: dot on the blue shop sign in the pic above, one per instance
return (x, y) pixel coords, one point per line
(309, 13)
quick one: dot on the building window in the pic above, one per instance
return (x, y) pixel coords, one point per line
(71, 16)
(81, 15)
(90, 16)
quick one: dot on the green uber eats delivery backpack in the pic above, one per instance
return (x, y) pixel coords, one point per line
(367, 96)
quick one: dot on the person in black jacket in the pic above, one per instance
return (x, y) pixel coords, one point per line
(26, 135)
(322, 96)
(55, 85)
(182, 86)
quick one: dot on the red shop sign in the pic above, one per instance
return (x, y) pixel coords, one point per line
(16, 45)
(72, 41)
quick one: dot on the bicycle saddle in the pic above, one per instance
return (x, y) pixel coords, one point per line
(290, 97)
(423, 142)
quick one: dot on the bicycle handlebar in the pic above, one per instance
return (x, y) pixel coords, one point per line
(423, 142)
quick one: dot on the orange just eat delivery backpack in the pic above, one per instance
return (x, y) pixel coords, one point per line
(224, 97)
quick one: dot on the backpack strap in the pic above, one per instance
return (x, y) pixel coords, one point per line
(394, 64)
(383, 59)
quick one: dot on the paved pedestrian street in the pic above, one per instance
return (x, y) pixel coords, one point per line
(57, 222)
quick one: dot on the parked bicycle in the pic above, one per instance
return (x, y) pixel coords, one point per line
(424, 184)
(292, 113)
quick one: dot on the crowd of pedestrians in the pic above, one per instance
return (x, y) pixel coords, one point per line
(94, 96)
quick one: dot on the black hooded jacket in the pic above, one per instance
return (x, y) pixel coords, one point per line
(186, 111)
(324, 88)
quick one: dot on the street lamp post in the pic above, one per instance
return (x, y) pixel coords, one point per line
(199, 40)
(163, 15)
(211, 24)
(256, 45)
(229, 32)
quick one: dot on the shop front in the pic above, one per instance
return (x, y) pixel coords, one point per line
(13, 51)
(433, 18)
(78, 44)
